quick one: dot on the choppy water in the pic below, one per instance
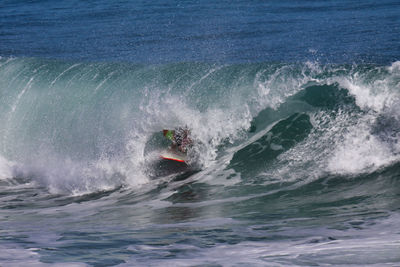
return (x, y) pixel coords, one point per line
(293, 106)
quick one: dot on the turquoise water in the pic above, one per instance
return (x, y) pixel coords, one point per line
(293, 106)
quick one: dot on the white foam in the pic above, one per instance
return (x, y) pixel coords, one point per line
(377, 93)
(394, 67)
(274, 89)
(14, 256)
(6, 168)
(360, 152)
(369, 96)
(66, 176)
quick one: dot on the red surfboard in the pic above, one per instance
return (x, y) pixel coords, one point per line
(170, 154)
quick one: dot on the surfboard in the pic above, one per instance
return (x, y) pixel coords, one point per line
(170, 154)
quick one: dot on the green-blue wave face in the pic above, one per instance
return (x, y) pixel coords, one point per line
(251, 116)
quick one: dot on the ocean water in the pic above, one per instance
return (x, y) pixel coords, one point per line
(293, 106)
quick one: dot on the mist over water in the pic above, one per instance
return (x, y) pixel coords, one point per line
(293, 109)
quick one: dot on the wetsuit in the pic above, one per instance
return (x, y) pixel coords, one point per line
(179, 138)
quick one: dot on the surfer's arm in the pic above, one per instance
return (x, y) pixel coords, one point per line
(169, 134)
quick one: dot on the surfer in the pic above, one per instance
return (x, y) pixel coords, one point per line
(179, 137)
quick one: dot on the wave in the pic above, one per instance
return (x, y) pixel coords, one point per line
(78, 127)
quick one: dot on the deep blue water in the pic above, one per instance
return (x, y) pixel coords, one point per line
(211, 31)
(293, 106)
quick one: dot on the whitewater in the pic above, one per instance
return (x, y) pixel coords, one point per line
(293, 108)
(293, 163)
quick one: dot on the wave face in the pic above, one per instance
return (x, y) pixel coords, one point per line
(292, 163)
